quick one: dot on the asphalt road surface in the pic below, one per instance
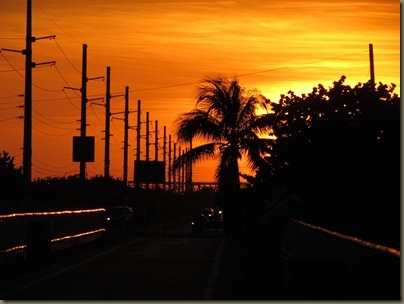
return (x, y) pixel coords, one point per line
(150, 264)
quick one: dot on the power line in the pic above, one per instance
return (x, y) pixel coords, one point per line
(74, 106)
(12, 70)
(58, 160)
(300, 64)
(58, 167)
(53, 134)
(7, 97)
(68, 60)
(53, 126)
(64, 79)
(57, 172)
(186, 83)
(23, 77)
(67, 34)
(54, 121)
(12, 66)
(8, 108)
(252, 73)
(6, 119)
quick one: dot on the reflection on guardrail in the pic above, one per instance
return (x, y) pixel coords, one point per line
(62, 239)
(68, 228)
(4, 216)
(351, 238)
(329, 265)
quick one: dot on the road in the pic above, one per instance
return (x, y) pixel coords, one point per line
(130, 265)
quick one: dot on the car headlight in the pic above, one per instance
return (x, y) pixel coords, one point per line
(108, 218)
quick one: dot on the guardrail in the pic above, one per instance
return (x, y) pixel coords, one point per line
(328, 265)
(55, 230)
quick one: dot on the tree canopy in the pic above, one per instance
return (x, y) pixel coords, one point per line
(340, 149)
(11, 185)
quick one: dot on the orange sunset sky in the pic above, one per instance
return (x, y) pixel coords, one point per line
(163, 49)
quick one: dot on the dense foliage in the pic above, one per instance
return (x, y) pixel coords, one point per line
(11, 179)
(340, 150)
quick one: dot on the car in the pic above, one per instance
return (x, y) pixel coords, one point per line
(207, 219)
(119, 216)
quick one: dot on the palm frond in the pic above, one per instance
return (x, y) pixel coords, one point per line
(197, 154)
(197, 124)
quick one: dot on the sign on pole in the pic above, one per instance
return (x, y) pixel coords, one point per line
(149, 171)
(83, 149)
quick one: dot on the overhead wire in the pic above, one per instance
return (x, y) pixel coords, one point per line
(48, 159)
(67, 133)
(48, 124)
(52, 166)
(7, 119)
(8, 97)
(68, 60)
(23, 77)
(54, 121)
(8, 108)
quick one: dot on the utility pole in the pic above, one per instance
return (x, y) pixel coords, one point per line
(173, 167)
(107, 122)
(27, 141)
(372, 66)
(169, 161)
(184, 168)
(189, 179)
(164, 151)
(156, 150)
(181, 171)
(126, 137)
(86, 144)
(138, 136)
(147, 136)
(27, 150)
(147, 143)
(83, 122)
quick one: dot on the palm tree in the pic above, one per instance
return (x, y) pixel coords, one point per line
(225, 118)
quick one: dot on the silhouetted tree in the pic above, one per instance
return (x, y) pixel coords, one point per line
(340, 149)
(11, 185)
(225, 117)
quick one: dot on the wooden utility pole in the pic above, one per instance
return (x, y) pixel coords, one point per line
(27, 149)
(169, 161)
(83, 121)
(147, 137)
(138, 127)
(126, 137)
(147, 143)
(156, 139)
(189, 175)
(372, 66)
(164, 151)
(179, 170)
(107, 123)
(173, 167)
